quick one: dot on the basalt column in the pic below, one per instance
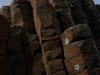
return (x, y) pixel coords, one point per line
(5, 68)
(63, 13)
(5, 11)
(93, 15)
(77, 12)
(19, 50)
(80, 52)
(15, 43)
(47, 27)
(22, 20)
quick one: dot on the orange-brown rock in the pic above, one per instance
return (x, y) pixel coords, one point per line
(80, 53)
(47, 26)
(50, 37)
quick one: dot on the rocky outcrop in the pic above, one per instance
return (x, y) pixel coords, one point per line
(80, 53)
(49, 32)
(5, 68)
(50, 37)
(5, 11)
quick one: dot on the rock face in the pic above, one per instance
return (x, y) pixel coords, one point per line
(5, 67)
(80, 53)
(50, 37)
(5, 11)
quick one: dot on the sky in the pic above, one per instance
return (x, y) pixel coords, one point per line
(7, 2)
(97, 1)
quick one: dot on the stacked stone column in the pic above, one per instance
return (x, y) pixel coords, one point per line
(26, 48)
(50, 37)
(5, 68)
(78, 14)
(63, 13)
(47, 27)
(93, 16)
(5, 11)
(80, 52)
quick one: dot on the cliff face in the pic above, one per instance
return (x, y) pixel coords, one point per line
(50, 37)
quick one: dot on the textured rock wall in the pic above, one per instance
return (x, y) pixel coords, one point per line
(50, 37)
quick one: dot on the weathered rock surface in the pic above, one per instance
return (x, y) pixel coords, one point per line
(80, 54)
(5, 68)
(50, 37)
(5, 11)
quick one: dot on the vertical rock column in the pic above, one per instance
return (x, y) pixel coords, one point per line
(22, 20)
(47, 27)
(98, 6)
(17, 46)
(93, 15)
(16, 52)
(5, 11)
(5, 68)
(80, 52)
(77, 12)
(63, 13)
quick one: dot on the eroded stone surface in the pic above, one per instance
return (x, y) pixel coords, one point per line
(30, 42)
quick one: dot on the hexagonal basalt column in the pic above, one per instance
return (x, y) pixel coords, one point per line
(47, 27)
(5, 67)
(80, 52)
(63, 13)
